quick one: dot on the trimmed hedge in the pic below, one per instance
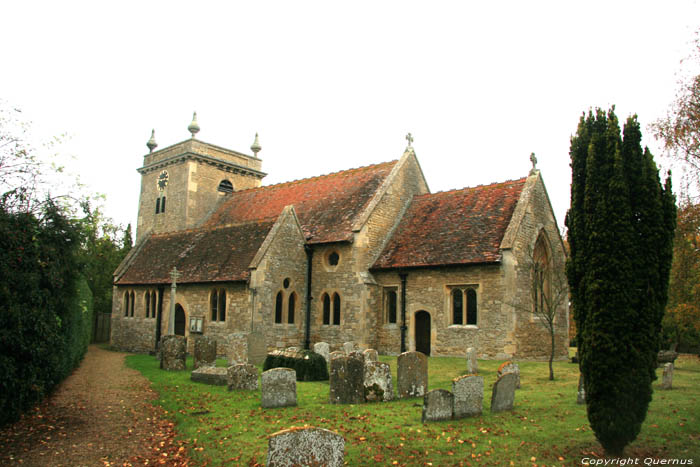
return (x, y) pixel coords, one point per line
(309, 365)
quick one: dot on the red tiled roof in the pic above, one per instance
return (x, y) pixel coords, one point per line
(326, 206)
(201, 255)
(454, 227)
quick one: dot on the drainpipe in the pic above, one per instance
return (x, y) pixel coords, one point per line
(307, 328)
(403, 277)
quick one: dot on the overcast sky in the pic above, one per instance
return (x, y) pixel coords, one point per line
(331, 86)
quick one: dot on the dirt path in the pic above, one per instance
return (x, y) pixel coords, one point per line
(100, 415)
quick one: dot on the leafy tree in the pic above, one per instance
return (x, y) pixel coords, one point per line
(620, 231)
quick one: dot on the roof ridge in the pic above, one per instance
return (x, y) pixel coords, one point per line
(455, 190)
(299, 180)
(207, 228)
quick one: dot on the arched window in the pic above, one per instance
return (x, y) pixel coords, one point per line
(153, 304)
(336, 309)
(225, 186)
(390, 305)
(131, 305)
(541, 275)
(222, 305)
(333, 258)
(326, 308)
(278, 308)
(162, 204)
(126, 303)
(148, 303)
(471, 306)
(158, 206)
(214, 304)
(457, 306)
(291, 306)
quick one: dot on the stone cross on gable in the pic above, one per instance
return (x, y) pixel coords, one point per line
(409, 138)
(533, 159)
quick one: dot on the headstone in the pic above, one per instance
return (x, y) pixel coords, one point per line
(667, 382)
(322, 348)
(242, 376)
(412, 374)
(350, 347)
(204, 351)
(472, 365)
(666, 356)
(468, 394)
(210, 375)
(346, 380)
(357, 354)
(336, 354)
(237, 344)
(377, 382)
(279, 388)
(510, 367)
(371, 355)
(503, 394)
(173, 351)
(581, 396)
(257, 348)
(305, 446)
(437, 406)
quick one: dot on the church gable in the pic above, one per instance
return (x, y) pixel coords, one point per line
(454, 227)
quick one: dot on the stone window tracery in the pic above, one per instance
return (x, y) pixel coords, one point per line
(217, 305)
(464, 305)
(390, 304)
(326, 308)
(291, 307)
(278, 308)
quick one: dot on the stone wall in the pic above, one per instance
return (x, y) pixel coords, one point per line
(132, 334)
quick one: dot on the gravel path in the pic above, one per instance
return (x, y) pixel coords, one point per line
(100, 415)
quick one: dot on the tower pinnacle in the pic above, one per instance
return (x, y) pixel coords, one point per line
(194, 126)
(152, 142)
(255, 147)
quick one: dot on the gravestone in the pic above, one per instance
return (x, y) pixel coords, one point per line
(305, 446)
(472, 365)
(377, 382)
(204, 351)
(371, 355)
(346, 380)
(257, 348)
(437, 406)
(510, 367)
(336, 354)
(237, 344)
(242, 376)
(412, 374)
(349, 347)
(468, 394)
(581, 396)
(667, 381)
(279, 388)
(210, 375)
(503, 394)
(323, 349)
(173, 351)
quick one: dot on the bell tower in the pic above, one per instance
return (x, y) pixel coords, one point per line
(181, 184)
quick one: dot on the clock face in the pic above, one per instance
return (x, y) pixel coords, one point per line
(162, 180)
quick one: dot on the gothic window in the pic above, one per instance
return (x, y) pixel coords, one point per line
(457, 306)
(278, 308)
(336, 309)
(471, 306)
(291, 306)
(153, 304)
(333, 258)
(158, 206)
(222, 305)
(214, 304)
(126, 303)
(131, 305)
(162, 204)
(390, 301)
(217, 305)
(463, 304)
(326, 308)
(286, 283)
(541, 275)
(148, 303)
(225, 186)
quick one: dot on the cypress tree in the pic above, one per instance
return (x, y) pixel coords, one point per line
(620, 231)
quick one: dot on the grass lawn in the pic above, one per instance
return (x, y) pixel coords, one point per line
(545, 428)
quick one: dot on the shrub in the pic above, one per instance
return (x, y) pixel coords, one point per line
(309, 365)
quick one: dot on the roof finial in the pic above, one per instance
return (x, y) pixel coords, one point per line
(152, 142)
(256, 146)
(409, 138)
(533, 159)
(194, 126)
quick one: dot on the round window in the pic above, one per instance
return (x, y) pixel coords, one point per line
(286, 283)
(333, 258)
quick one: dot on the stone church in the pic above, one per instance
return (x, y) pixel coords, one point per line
(366, 255)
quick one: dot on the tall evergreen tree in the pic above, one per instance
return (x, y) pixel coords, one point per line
(620, 232)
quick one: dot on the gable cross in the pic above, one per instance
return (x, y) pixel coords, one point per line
(409, 138)
(533, 159)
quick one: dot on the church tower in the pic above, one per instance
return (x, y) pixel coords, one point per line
(181, 184)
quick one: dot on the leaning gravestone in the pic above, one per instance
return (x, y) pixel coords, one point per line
(468, 394)
(503, 394)
(472, 365)
(242, 376)
(370, 355)
(257, 348)
(510, 367)
(437, 406)
(667, 382)
(173, 351)
(581, 396)
(237, 351)
(279, 388)
(204, 351)
(346, 380)
(377, 381)
(323, 349)
(305, 446)
(412, 374)
(210, 375)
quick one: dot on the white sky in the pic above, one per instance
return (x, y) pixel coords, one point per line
(331, 85)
